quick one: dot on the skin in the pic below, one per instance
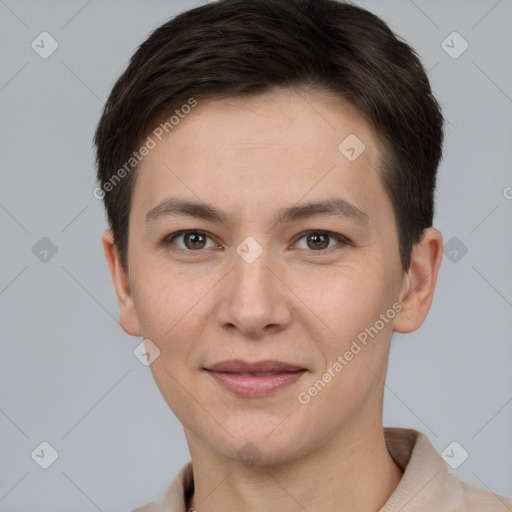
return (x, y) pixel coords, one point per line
(297, 303)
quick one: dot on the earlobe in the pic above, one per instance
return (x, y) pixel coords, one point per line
(128, 317)
(419, 282)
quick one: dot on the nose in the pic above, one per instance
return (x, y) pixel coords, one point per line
(253, 298)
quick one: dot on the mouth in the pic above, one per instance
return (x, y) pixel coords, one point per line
(257, 379)
(239, 366)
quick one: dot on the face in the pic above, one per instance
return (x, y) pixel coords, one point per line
(289, 254)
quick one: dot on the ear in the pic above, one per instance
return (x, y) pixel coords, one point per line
(128, 317)
(419, 282)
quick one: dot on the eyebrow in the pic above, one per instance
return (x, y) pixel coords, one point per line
(337, 207)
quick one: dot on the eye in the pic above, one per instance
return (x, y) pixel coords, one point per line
(195, 241)
(321, 240)
(192, 240)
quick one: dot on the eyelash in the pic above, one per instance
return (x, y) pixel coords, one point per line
(167, 242)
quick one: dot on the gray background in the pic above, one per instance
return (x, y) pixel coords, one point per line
(68, 375)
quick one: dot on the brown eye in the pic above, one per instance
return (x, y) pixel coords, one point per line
(194, 240)
(188, 241)
(321, 241)
(317, 241)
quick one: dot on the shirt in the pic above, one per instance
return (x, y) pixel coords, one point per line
(426, 484)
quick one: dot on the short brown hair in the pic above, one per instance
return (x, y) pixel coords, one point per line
(244, 47)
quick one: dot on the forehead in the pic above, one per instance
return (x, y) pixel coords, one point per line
(269, 149)
(285, 119)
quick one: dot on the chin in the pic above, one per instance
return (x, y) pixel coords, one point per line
(261, 443)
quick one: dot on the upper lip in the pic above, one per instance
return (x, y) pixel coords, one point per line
(239, 366)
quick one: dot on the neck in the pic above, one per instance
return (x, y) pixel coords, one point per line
(352, 471)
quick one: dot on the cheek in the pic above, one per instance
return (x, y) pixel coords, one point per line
(346, 300)
(168, 302)
(353, 351)
(168, 310)
(174, 311)
(348, 309)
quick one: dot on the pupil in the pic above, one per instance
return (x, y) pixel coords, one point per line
(319, 241)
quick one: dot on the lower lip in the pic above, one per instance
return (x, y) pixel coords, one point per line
(253, 386)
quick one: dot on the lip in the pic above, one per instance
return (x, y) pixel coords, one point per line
(240, 366)
(261, 378)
